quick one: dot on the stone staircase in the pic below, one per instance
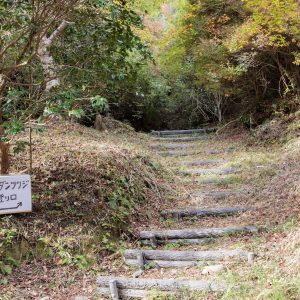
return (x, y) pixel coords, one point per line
(184, 143)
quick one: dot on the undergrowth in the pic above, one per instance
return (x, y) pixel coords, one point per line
(89, 188)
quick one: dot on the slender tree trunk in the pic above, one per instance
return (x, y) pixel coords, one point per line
(4, 158)
(218, 99)
(2, 88)
(4, 147)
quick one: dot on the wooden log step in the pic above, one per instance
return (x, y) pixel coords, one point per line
(205, 162)
(218, 151)
(163, 263)
(218, 195)
(114, 291)
(211, 181)
(213, 195)
(180, 242)
(177, 259)
(125, 293)
(172, 146)
(182, 139)
(180, 132)
(170, 255)
(223, 171)
(129, 293)
(159, 284)
(207, 181)
(163, 137)
(181, 213)
(178, 153)
(196, 233)
(192, 152)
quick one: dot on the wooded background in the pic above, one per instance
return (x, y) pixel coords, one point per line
(164, 64)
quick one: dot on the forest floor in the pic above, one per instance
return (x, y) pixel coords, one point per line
(269, 181)
(90, 189)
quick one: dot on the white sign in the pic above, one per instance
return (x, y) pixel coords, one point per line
(15, 194)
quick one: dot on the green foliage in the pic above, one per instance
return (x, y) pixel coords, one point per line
(7, 263)
(82, 262)
(7, 236)
(14, 126)
(20, 146)
(120, 202)
(243, 53)
(71, 104)
(99, 53)
(64, 102)
(277, 20)
(100, 104)
(139, 60)
(114, 52)
(282, 290)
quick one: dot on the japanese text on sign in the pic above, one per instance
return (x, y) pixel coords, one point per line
(15, 194)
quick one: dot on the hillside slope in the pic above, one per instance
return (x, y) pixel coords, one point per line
(89, 188)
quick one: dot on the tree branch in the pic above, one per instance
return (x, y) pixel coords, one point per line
(58, 31)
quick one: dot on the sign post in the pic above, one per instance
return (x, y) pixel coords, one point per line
(15, 194)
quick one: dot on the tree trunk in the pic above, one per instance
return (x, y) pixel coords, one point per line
(2, 88)
(49, 66)
(4, 148)
(218, 99)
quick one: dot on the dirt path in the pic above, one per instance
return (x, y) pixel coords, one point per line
(202, 234)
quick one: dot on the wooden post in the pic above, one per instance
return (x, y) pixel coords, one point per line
(153, 240)
(4, 147)
(30, 149)
(98, 124)
(251, 257)
(114, 290)
(140, 260)
(179, 217)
